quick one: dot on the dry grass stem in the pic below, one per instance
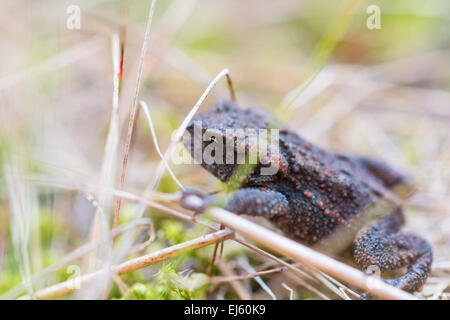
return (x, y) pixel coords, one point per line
(234, 280)
(155, 142)
(307, 255)
(109, 160)
(220, 279)
(134, 108)
(69, 286)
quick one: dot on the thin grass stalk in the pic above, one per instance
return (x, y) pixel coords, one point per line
(134, 108)
(70, 286)
(307, 255)
(109, 160)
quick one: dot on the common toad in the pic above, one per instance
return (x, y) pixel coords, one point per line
(321, 198)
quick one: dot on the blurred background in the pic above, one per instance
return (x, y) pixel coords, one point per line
(380, 92)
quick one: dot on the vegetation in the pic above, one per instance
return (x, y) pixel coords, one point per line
(65, 107)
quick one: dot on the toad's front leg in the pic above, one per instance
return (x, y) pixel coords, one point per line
(248, 201)
(257, 202)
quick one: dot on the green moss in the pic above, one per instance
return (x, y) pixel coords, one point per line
(173, 231)
(170, 285)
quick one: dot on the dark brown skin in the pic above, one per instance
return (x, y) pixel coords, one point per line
(324, 199)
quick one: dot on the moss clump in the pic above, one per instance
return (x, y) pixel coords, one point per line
(170, 285)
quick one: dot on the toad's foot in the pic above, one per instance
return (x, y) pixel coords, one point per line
(387, 249)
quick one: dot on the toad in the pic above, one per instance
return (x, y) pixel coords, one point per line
(317, 197)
